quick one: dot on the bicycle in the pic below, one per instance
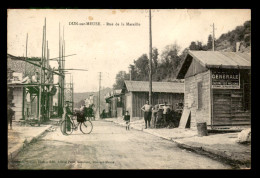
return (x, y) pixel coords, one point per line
(67, 126)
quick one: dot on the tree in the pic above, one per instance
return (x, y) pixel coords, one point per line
(142, 68)
(170, 59)
(155, 64)
(121, 76)
(197, 46)
(193, 46)
(209, 43)
(155, 55)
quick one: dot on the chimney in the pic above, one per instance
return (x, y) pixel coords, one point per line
(238, 46)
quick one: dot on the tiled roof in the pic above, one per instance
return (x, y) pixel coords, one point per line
(164, 87)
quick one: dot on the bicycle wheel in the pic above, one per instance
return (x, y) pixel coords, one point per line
(86, 127)
(66, 127)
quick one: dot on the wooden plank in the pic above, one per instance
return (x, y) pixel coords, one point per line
(239, 120)
(223, 115)
(223, 107)
(186, 114)
(241, 114)
(221, 112)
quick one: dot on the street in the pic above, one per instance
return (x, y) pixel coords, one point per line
(108, 147)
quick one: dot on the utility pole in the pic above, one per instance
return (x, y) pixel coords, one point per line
(40, 87)
(25, 64)
(213, 38)
(59, 89)
(72, 92)
(99, 94)
(150, 57)
(130, 73)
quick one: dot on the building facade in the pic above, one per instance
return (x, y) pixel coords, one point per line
(217, 88)
(136, 93)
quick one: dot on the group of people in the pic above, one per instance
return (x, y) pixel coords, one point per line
(157, 113)
(150, 111)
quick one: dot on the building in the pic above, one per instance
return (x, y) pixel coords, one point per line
(217, 88)
(136, 93)
(89, 101)
(25, 90)
(20, 69)
(114, 104)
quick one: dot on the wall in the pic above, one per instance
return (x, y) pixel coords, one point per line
(228, 105)
(191, 100)
(119, 112)
(18, 102)
(114, 107)
(128, 103)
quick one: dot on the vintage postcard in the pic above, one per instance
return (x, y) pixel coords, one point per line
(129, 89)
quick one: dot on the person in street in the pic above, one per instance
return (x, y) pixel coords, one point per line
(82, 108)
(166, 111)
(10, 116)
(85, 110)
(154, 115)
(147, 108)
(127, 120)
(66, 114)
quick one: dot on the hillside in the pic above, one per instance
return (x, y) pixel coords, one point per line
(80, 97)
(227, 41)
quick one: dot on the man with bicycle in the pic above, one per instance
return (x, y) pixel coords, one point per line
(68, 125)
(67, 114)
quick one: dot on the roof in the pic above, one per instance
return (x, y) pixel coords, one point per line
(17, 64)
(163, 87)
(113, 93)
(217, 59)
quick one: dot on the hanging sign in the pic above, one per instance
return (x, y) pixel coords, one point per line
(225, 79)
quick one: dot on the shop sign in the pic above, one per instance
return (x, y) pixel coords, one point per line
(229, 79)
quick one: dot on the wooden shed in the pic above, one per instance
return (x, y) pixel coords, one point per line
(136, 93)
(217, 88)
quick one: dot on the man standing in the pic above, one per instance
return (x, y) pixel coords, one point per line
(10, 115)
(66, 116)
(166, 111)
(154, 115)
(147, 108)
(127, 120)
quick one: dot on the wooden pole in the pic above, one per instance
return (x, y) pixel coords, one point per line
(24, 95)
(63, 54)
(44, 98)
(62, 80)
(213, 39)
(40, 87)
(150, 57)
(99, 94)
(59, 89)
(72, 93)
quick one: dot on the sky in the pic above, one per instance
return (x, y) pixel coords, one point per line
(111, 48)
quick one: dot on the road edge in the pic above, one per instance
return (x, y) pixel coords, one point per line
(17, 148)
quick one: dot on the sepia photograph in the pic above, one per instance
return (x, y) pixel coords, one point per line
(129, 89)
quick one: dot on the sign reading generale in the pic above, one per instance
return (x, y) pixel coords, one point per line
(225, 79)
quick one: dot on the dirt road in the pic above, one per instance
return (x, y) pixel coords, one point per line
(109, 147)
